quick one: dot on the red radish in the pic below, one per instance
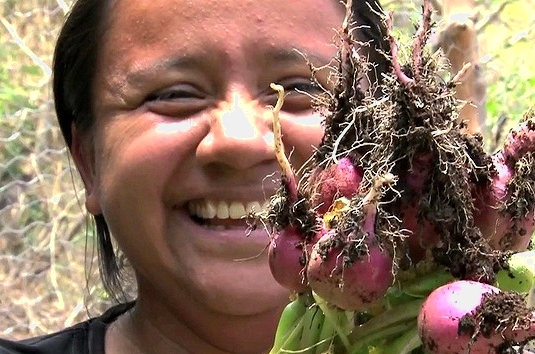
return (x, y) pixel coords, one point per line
(447, 321)
(352, 287)
(341, 179)
(423, 233)
(495, 225)
(288, 254)
(287, 259)
(347, 281)
(289, 248)
(503, 228)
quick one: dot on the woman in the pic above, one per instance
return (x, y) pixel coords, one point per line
(164, 105)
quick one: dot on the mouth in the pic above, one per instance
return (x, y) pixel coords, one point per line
(224, 215)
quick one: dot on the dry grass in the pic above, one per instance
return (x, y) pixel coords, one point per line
(47, 269)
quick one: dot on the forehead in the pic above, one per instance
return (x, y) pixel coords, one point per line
(225, 12)
(183, 24)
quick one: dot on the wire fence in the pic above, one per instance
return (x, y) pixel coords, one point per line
(45, 256)
(48, 272)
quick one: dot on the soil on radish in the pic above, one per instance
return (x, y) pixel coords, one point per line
(522, 199)
(498, 312)
(284, 212)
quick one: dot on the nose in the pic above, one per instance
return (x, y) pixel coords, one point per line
(240, 135)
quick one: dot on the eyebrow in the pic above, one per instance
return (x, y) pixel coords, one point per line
(279, 56)
(141, 74)
(296, 55)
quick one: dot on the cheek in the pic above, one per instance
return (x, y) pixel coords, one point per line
(301, 136)
(137, 164)
(137, 160)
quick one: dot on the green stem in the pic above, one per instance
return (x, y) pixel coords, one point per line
(326, 337)
(290, 324)
(313, 320)
(337, 318)
(425, 284)
(395, 330)
(405, 343)
(389, 318)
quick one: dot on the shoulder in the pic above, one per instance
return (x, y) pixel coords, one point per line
(70, 340)
(83, 338)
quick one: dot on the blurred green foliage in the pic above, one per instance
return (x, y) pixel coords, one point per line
(12, 96)
(509, 61)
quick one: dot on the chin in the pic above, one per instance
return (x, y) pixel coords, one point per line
(245, 295)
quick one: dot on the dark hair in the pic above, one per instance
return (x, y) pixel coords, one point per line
(368, 17)
(75, 62)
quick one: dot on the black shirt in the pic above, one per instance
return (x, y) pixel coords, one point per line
(83, 338)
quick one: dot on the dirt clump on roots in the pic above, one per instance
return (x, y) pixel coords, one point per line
(407, 124)
(497, 313)
(521, 186)
(286, 212)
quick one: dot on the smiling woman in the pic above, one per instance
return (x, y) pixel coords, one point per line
(164, 105)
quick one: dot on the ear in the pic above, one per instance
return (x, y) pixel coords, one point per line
(84, 160)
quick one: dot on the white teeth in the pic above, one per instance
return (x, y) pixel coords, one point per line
(236, 210)
(253, 207)
(207, 209)
(222, 210)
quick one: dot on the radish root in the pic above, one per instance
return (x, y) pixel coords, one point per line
(286, 167)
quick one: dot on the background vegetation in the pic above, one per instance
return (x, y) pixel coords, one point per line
(47, 268)
(47, 257)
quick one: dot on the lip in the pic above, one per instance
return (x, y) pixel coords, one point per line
(237, 243)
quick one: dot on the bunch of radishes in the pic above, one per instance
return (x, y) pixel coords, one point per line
(330, 255)
(370, 271)
(327, 246)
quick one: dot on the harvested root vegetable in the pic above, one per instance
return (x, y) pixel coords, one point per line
(476, 318)
(348, 266)
(506, 207)
(287, 259)
(353, 286)
(295, 225)
(288, 253)
(341, 179)
(412, 131)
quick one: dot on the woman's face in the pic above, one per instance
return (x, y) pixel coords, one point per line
(182, 145)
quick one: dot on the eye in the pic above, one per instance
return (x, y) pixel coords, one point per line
(175, 93)
(177, 101)
(299, 94)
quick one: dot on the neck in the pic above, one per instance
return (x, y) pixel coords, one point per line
(155, 327)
